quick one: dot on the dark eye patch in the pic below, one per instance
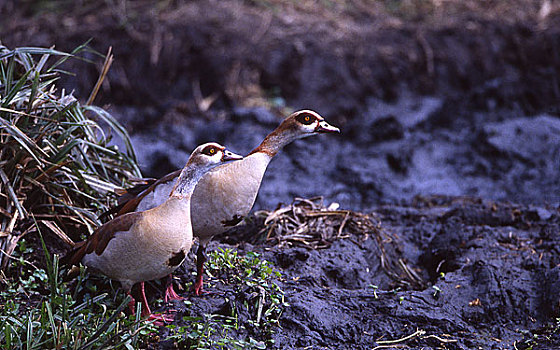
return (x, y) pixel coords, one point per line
(306, 118)
(210, 150)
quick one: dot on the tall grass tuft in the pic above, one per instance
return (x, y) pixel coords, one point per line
(57, 167)
(56, 158)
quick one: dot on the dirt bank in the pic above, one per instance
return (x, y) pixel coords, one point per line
(450, 137)
(445, 99)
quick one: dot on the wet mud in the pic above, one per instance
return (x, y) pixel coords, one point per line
(490, 271)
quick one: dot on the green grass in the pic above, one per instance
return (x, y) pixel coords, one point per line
(40, 312)
(540, 338)
(253, 275)
(56, 154)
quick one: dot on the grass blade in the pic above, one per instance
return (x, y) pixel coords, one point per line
(117, 127)
(28, 144)
(14, 90)
(106, 324)
(34, 88)
(12, 194)
(29, 338)
(33, 51)
(51, 320)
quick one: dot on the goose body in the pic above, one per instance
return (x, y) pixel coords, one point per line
(228, 192)
(154, 245)
(147, 245)
(225, 195)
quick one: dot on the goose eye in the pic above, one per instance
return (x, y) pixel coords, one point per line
(209, 151)
(305, 119)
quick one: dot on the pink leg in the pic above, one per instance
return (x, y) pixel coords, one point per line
(131, 303)
(200, 260)
(170, 293)
(160, 319)
(198, 285)
(145, 307)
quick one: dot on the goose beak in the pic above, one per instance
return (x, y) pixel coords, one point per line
(324, 127)
(227, 155)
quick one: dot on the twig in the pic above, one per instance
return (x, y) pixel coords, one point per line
(339, 234)
(429, 53)
(261, 304)
(12, 194)
(389, 346)
(328, 213)
(54, 228)
(400, 340)
(9, 256)
(203, 103)
(440, 339)
(104, 71)
(409, 272)
(2, 109)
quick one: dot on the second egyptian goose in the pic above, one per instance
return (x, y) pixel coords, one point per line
(225, 195)
(147, 245)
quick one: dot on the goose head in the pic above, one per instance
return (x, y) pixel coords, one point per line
(202, 159)
(298, 125)
(210, 155)
(306, 123)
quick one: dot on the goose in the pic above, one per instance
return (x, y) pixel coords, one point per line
(226, 194)
(147, 245)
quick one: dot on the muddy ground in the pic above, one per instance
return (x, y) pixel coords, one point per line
(450, 136)
(491, 270)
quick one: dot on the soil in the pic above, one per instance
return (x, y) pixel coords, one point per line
(450, 136)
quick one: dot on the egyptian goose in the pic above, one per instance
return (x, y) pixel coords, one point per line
(151, 244)
(225, 195)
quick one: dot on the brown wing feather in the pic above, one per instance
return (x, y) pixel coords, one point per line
(124, 196)
(131, 205)
(129, 199)
(129, 193)
(99, 240)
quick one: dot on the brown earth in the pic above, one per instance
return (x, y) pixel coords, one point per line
(458, 98)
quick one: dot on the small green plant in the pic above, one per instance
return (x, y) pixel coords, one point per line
(255, 276)
(540, 338)
(375, 288)
(259, 299)
(212, 332)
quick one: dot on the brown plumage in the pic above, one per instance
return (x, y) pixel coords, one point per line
(99, 239)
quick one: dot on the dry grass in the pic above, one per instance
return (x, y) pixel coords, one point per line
(57, 161)
(308, 223)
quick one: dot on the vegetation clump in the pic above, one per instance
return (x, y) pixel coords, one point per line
(250, 313)
(58, 162)
(57, 166)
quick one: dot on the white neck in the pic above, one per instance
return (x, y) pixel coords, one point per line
(189, 177)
